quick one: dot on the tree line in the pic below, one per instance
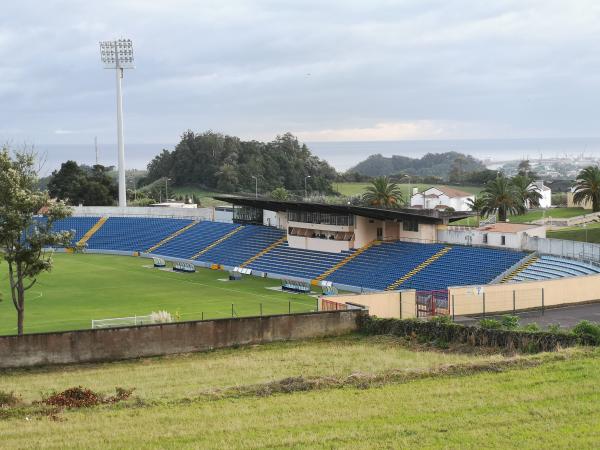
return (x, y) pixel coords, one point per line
(229, 164)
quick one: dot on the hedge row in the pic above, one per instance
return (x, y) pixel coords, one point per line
(440, 331)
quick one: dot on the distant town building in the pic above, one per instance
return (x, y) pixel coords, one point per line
(441, 197)
(545, 191)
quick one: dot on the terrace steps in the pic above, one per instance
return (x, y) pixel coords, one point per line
(217, 242)
(343, 262)
(173, 236)
(92, 231)
(520, 269)
(417, 269)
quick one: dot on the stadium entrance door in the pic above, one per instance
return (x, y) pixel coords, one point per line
(432, 303)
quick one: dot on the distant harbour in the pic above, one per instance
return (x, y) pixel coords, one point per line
(343, 155)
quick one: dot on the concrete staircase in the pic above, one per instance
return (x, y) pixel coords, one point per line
(520, 269)
(86, 237)
(417, 269)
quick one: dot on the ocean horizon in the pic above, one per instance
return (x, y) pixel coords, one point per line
(344, 154)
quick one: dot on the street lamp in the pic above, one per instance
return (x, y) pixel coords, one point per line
(132, 179)
(305, 189)
(118, 55)
(256, 186)
(167, 188)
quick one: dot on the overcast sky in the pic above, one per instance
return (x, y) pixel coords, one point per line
(325, 70)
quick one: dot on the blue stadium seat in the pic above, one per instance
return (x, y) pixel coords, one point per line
(80, 225)
(376, 268)
(549, 267)
(191, 241)
(242, 245)
(134, 233)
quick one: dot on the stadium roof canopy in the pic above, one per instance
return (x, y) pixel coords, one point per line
(422, 215)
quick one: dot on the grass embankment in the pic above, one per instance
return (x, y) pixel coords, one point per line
(531, 216)
(84, 287)
(589, 234)
(193, 374)
(453, 400)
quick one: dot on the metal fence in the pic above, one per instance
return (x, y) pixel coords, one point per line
(585, 251)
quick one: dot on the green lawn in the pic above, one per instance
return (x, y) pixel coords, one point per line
(205, 197)
(546, 401)
(589, 234)
(85, 287)
(555, 213)
(350, 189)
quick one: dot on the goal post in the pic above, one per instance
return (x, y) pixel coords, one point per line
(122, 322)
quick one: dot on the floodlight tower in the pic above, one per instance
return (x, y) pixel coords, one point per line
(118, 55)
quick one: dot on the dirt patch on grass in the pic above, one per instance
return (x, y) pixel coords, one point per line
(369, 380)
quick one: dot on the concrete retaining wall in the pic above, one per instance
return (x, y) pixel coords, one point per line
(383, 304)
(155, 340)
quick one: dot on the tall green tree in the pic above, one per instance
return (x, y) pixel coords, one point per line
(529, 195)
(501, 197)
(587, 187)
(23, 236)
(383, 193)
(83, 185)
(227, 163)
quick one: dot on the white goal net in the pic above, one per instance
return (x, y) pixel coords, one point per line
(122, 321)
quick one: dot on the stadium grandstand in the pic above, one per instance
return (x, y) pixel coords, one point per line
(352, 248)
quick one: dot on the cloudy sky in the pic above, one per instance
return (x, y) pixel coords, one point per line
(325, 70)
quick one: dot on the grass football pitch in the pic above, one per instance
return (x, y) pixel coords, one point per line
(83, 287)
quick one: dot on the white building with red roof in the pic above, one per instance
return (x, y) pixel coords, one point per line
(442, 197)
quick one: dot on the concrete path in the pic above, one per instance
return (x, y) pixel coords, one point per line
(566, 317)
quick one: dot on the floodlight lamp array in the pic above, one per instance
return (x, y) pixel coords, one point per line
(117, 54)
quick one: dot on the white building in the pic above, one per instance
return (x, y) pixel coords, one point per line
(441, 197)
(501, 234)
(545, 191)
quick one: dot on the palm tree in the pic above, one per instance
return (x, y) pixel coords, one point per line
(500, 196)
(476, 205)
(527, 191)
(383, 193)
(587, 187)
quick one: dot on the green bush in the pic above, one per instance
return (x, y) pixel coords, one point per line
(554, 328)
(490, 324)
(532, 327)
(588, 330)
(442, 320)
(509, 322)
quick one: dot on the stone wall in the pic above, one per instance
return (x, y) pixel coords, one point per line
(155, 340)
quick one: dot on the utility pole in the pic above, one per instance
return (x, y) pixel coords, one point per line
(96, 148)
